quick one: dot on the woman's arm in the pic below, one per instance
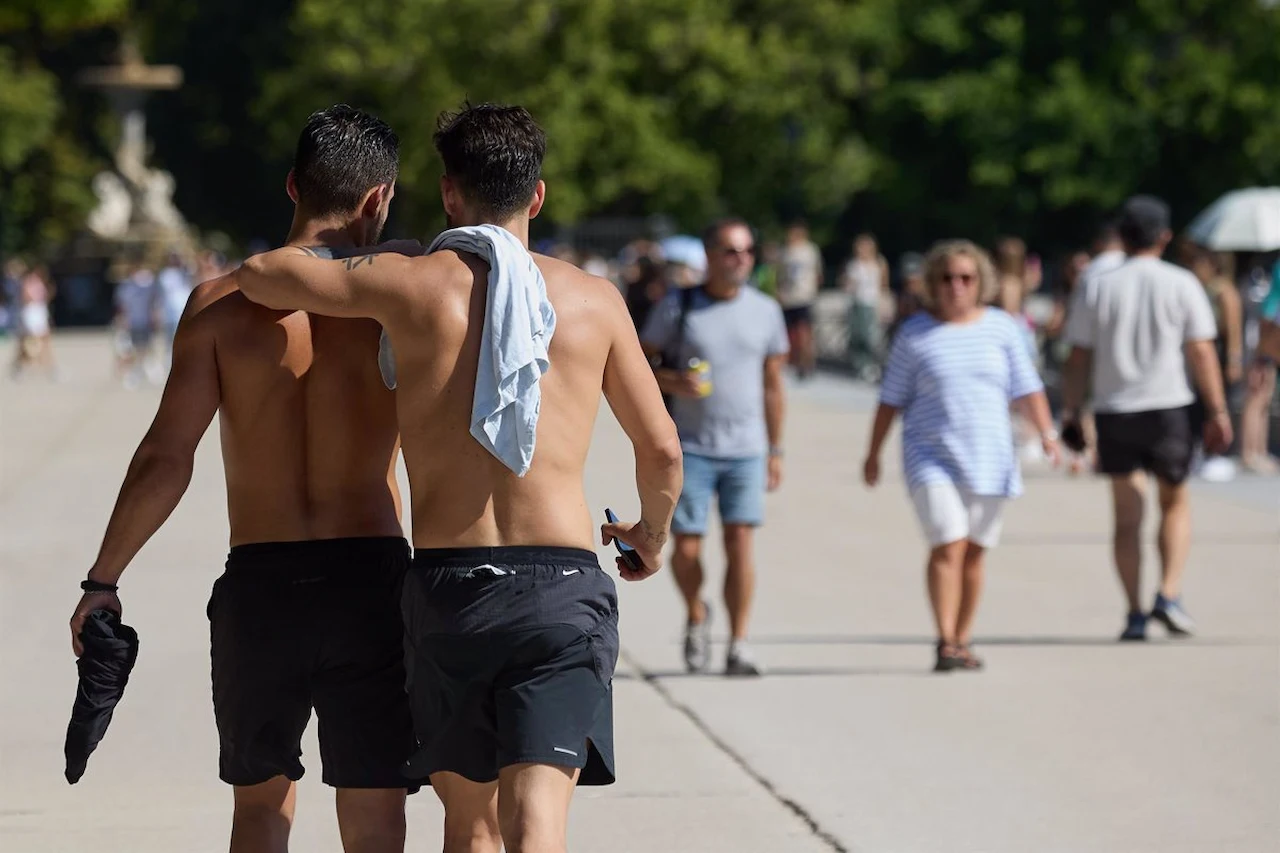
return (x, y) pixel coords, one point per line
(1232, 310)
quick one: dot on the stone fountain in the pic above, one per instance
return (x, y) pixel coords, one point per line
(135, 220)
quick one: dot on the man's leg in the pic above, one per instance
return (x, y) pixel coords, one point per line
(686, 566)
(371, 820)
(1175, 536)
(470, 814)
(739, 577)
(533, 807)
(1128, 492)
(263, 816)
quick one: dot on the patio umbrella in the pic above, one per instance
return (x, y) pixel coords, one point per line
(1241, 221)
(110, 650)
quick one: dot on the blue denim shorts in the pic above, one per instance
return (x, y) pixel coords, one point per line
(738, 485)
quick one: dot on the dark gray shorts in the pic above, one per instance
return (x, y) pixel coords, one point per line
(510, 657)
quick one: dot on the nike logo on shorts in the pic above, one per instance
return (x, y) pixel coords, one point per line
(570, 572)
(565, 751)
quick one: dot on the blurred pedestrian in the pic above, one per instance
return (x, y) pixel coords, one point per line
(1269, 322)
(137, 312)
(647, 289)
(1215, 273)
(799, 279)
(866, 278)
(911, 291)
(174, 282)
(1135, 330)
(765, 276)
(1108, 251)
(11, 294)
(1058, 349)
(34, 323)
(1260, 388)
(722, 347)
(952, 373)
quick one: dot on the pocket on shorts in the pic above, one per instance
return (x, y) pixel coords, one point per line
(605, 647)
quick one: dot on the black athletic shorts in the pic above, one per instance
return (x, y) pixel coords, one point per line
(511, 660)
(1159, 441)
(797, 315)
(302, 625)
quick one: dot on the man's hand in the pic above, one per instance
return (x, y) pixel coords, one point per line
(411, 248)
(648, 547)
(871, 471)
(90, 602)
(680, 383)
(1218, 433)
(775, 473)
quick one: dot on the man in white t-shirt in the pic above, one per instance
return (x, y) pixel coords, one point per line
(1135, 330)
(799, 278)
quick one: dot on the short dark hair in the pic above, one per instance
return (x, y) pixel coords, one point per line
(494, 152)
(1143, 221)
(343, 153)
(711, 234)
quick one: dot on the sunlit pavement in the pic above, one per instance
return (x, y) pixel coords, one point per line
(1068, 742)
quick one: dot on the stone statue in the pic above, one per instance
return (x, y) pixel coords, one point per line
(110, 219)
(155, 202)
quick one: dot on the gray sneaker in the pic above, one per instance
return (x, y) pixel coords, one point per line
(740, 661)
(697, 642)
(1170, 613)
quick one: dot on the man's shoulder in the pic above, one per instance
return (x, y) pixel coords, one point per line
(754, 300)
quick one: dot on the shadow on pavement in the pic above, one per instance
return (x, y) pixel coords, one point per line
(778, 671)
(901, 640)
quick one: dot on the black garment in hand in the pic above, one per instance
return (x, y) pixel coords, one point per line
(110, 650)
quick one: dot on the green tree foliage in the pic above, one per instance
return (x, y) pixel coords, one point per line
(46, 151)
(914, 118)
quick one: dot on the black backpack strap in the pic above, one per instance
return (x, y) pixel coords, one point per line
(671, 354)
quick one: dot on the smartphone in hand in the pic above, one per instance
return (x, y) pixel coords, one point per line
(624, 550)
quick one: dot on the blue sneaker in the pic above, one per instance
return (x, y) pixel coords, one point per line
(1136, 627)
(1170, 613)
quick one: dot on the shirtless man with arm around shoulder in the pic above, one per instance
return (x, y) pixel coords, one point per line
(512, 622)
(307, 613)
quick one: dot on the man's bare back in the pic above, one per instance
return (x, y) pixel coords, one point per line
(308, 429)
(462, 495)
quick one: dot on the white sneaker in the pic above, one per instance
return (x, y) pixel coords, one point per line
(741, 662)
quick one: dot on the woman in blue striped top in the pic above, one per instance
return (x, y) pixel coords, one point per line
(952, 373)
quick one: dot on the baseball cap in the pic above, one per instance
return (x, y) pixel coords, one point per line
(1143, 219)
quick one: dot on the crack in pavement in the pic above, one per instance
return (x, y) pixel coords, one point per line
(655, 683)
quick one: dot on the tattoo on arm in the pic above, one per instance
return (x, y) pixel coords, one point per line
(310, 251)
(352, 263)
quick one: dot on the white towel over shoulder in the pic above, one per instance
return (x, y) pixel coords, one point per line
(518, 324)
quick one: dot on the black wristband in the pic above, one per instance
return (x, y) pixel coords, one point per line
(98, 586)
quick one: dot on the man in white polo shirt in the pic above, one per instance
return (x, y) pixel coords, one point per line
(1135, 330)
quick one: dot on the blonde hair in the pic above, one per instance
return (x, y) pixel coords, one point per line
(935, 265)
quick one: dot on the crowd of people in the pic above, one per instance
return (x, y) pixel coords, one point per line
(147, 301)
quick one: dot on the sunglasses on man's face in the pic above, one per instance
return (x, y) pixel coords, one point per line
(963, 277)
(731, 252)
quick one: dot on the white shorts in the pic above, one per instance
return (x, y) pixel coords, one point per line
(33, 319)
(948, 515)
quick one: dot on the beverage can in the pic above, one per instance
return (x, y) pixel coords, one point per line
(701, 370)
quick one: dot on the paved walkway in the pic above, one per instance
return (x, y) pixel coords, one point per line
(1069, 742)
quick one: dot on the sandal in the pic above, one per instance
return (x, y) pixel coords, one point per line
(948, 657)
(968, 660)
